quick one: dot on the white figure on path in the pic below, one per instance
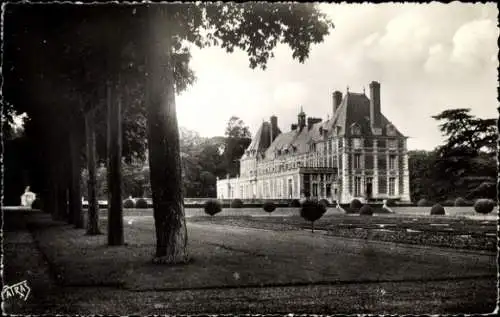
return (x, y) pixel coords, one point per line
(340, 207)
(386, 207)
(27, 198)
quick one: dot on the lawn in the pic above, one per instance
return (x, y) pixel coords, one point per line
(320, 273)
(461, 228)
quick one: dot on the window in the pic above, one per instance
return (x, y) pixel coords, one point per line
(392, 162)
(392, 186)
(369, 186)
(392, 144)
(315, 190)
(391, 130)
(357, 186)
(356, 143)
(357, 161)
(355, 129)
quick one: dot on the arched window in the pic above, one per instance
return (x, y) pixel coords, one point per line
(355, 129)
(391, 130)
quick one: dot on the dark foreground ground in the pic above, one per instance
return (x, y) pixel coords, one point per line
(238, 269)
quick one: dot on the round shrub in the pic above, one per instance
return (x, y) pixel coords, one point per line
(437, 209)
(311, 211)
(269, 206)
(424, 203)
(324, 202)
(448, 202)
(212, 207)
(460, 202)
(141, 203)
(236, 203)
(355, 204)
(484, 206)
(128, 203)
(295, 203)
(37, 204)
(390, 203)
(366, 210)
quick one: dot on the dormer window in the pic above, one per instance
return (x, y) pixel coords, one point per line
(355, 129)
(391, 130)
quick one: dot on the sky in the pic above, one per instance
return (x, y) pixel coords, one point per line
(427, 58)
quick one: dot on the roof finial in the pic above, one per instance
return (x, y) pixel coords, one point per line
(364, 90)
(347, 88)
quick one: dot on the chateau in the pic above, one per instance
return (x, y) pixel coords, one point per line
(357, 153)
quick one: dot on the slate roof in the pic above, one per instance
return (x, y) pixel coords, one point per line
(354, 109)
(260, 141)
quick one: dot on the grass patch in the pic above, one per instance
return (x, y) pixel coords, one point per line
(458, 233)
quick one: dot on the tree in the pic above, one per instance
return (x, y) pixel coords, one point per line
(463, 166)
(236, 128)
(150, 46)
(238, 138)
(464, 130)
(253, 27)
(466, 160)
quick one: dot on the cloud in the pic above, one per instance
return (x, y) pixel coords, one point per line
(474, 44)
(428, 57)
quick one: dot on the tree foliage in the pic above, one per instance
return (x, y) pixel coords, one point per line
(464, 166)
(465, 131)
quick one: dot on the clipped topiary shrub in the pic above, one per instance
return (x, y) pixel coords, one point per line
(424, 203)
(141, 203)
(354, 206)
(128, 203)
(269, 206)
(295, 203)
(448, 202)
(37, 204)
(437, 209)
(311, 211)
(236, 203)
(460, 202)
(324, 202)
(366, 210)
(484, 206)
(390, 203)
(212, 207)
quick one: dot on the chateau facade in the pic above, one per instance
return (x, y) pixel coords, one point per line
(357, 153)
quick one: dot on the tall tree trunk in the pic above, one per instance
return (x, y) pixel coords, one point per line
(66, 175)
(114, 135)
(75, 187)
(93, 208)
(163, 141)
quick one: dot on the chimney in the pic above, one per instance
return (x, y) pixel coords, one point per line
(337, 99)
(293, 127)
(302, 119)
(274, 128)
(375, 115)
